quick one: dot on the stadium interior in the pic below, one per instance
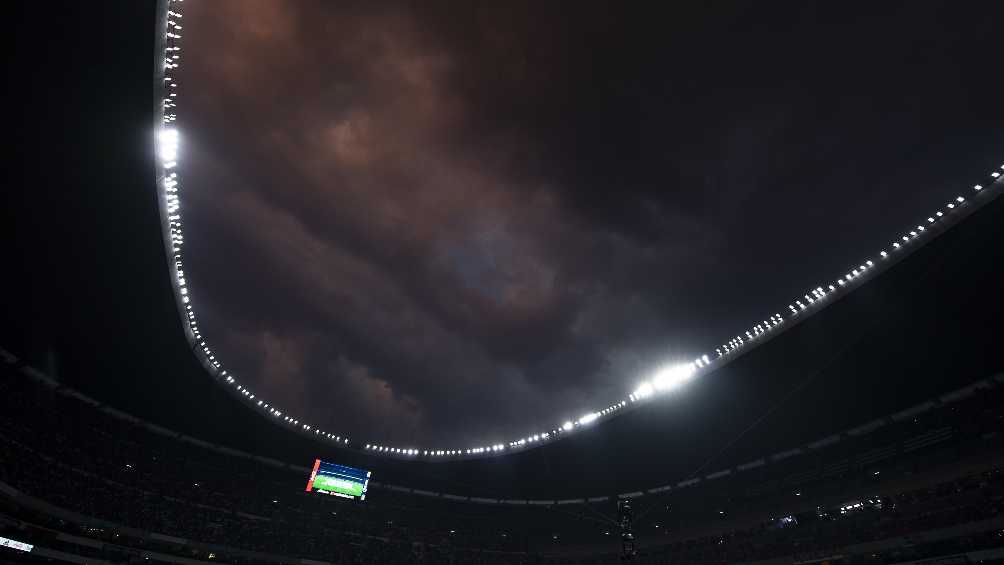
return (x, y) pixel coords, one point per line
(879, 437)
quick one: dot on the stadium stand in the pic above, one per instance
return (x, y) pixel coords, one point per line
(82, 483)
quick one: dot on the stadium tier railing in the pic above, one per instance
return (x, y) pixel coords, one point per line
(57, 422)
(784, 457)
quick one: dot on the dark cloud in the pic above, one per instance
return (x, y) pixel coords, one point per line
(432, 223)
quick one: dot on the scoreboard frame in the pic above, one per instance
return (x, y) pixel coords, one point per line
(338, 480)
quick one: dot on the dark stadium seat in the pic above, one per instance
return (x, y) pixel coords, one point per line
(85, 481)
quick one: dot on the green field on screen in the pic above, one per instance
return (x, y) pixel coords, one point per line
(334, 484)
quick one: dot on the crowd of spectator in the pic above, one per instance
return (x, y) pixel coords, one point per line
(65, 452)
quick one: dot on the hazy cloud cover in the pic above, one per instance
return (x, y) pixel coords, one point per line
(450, 224)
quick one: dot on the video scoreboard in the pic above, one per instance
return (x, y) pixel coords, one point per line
(338, 480)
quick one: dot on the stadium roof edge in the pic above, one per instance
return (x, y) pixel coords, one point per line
(171, 230)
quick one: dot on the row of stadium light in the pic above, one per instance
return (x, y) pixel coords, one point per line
(675, 376)
(664, 380)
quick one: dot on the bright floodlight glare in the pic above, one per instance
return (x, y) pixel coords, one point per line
(672, 377)
(567, 426)
(168, 144)
(588, 418)
(644, 390)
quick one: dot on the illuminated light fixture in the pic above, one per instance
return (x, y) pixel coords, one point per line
(567, 426)
(672, 377)
(588, 418)
(960, 199)
(950, 205)
(168, 144)
(644, 390)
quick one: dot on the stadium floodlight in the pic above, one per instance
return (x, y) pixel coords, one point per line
(644, 390)
(960, 199)
(674, 376)
(588, 418)
(168, 139)
(567, 426)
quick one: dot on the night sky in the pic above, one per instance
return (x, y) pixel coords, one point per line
(460, 223)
